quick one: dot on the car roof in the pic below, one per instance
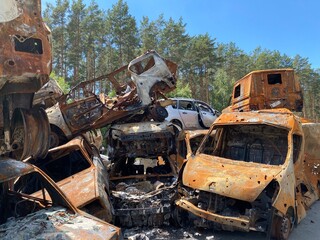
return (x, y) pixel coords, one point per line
(190, 99)
(10, 168)
(181, 98)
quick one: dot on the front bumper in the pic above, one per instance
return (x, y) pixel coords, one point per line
(242, 223)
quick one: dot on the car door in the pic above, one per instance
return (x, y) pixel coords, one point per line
(207, 114)
(188, 113)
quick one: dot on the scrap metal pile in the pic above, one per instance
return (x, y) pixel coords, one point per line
(255, 169)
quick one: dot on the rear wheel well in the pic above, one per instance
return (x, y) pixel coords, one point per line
(177, 122)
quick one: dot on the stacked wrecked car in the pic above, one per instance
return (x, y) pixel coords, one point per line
(43, 192)
(255, 169)
(259, 171)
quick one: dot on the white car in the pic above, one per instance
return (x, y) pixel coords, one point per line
(191, 114)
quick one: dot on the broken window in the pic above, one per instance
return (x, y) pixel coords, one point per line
(186, 105)
(28, 45)
(237, 91)
(174, 104)
(143, 65)
(18, 197)
(274, 79)
(63, 166)
(250, 143)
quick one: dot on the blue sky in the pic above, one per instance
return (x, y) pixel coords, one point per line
(290, 26)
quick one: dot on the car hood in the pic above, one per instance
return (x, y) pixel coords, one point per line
(58, 223)
(230, 178)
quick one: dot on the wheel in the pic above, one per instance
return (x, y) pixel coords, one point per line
(30, 133)
(159, 113)
(57, 137)
(281, 227)
(180, 217)
(178, 123)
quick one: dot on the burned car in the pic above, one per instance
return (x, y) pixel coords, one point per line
(25, 65)
(267, 89)
(48, 95)
(142, 174)
(138, 86)
(76, 167)
(32, 206)
(188, 143)
(258, 173)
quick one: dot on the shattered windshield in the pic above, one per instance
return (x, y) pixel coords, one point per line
(250, 143)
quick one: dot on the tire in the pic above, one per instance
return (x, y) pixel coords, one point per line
(178, 123)
(56, 137)
(281, 227)
(180, 217)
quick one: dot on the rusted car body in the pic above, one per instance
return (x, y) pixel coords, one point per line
(142, 175)
(259, 172)
(79, 172)
(188, 143)
(267, 89)
(143, 81)
(25, 65)
(32, 206)
(48, 95)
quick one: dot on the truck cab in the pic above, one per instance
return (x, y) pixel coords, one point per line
(258, 173)
(267, 89)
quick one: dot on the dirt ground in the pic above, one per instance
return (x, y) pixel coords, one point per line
(308, 229)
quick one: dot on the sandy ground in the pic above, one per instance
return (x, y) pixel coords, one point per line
(308, 229)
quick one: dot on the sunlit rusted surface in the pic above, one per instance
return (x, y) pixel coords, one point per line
(25, 53)
(259, 172)
(188, 143)
(80, 174)
(265, 89)
(25, 65)
(48, 214)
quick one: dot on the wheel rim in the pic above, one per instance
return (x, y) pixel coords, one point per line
(30, 131)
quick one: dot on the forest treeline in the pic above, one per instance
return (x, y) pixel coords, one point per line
(89, 42)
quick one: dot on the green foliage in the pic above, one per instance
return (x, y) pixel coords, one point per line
(89, 42)
(61, 81)
(122, 31)
(182, 90)
(199, 65)
(221, 89)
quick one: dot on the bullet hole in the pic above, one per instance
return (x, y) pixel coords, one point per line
(11, 63)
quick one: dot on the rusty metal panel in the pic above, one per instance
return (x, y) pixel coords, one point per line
(267, 89)
(25, 52)
(38, 216)
(83, 181)
(48, 95)
(10, 169)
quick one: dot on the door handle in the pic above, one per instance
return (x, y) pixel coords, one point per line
(184, 113)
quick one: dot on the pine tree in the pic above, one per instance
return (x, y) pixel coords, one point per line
(76, 40)
(56, 18)
(122, 32)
